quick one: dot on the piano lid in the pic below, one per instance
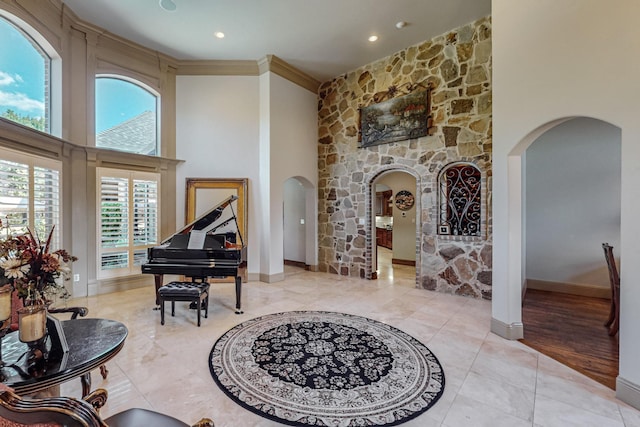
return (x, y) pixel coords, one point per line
(211, 220)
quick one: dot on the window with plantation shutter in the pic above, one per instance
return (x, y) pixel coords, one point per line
(145, 217)
(129, 218)
(30, 195)
(46, 197)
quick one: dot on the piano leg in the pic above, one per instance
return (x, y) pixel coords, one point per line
(238, 294)
(158, 278)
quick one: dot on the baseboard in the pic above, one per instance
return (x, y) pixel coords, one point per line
(271, 278)
(107, 286)
(403, 261)
(298, 264)
(513, 331)
(253, 277)
(570, 288)
(628, 392)
(308, 267)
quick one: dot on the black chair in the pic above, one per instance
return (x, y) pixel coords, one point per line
(70, 412)
(613, 322)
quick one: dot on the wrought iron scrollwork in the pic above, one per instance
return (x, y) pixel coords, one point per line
(460, 200)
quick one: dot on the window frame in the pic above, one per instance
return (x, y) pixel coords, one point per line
(53, 87)
(141, 85)
(131, 248)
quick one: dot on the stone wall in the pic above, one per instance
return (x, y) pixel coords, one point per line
(458, 67)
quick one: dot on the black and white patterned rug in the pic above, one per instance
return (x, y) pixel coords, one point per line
(326, 369)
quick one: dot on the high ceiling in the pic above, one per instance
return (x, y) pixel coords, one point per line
(323, 38)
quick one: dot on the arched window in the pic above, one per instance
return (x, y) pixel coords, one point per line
(460, 186)
(25, 78)
(126, 116)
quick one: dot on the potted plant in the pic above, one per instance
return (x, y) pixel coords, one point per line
(37, 274)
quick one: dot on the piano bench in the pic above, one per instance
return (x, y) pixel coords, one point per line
(195, 292)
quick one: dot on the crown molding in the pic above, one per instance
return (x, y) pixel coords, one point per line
(117, 45)
(284, 69)
(217, 68)
(247, 68)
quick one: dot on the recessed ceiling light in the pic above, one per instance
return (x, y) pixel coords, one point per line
(219, 34)
(373, 38)
(168, 5)
(401, 25)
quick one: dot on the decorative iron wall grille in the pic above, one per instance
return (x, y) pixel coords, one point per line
(460, 200)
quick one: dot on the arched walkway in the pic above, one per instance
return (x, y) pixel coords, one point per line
(371, 261)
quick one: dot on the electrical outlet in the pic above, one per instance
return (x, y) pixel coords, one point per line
(76, 277)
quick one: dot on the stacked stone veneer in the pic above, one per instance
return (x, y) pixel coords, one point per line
(458, 67)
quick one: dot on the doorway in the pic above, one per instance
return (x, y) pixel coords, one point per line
(394, 221)
(572, 205)
(299, 226)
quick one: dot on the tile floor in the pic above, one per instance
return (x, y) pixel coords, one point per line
(489, 381)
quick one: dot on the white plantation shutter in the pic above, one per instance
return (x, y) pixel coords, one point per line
(114, 222)
(14, 196)
(30, 195)
(145, 211)
(128, 206)
(145, 217)
(46, 202)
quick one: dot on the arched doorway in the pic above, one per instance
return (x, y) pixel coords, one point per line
(571, 196)
(394, 231)
(299, 224)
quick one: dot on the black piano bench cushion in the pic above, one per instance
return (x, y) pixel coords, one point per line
(196, 292)
(186, 289)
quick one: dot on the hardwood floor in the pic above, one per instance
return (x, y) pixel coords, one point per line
(570, 329)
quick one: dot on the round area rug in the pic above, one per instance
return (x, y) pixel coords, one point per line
(326, 369)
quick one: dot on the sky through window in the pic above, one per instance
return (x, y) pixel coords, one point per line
(22, 74)
(23, 81)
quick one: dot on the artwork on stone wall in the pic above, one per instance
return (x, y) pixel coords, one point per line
(396, 119)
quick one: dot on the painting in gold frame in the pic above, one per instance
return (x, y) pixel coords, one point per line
(204, 193)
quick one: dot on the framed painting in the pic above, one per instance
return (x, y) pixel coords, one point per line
(204, 193)
(397, 119)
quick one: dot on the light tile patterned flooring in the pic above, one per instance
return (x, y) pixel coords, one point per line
(489, 381)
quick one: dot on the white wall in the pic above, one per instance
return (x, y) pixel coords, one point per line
(293, 137)
(572, 202)
(259, 127)
(217, 130)
(554, 60)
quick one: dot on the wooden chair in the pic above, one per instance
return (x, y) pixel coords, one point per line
(16, 411)
(613, 322)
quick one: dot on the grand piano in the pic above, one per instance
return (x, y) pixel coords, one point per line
(206, 248)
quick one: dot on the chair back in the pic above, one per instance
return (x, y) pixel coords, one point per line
(614, 278)
(613, 322)
(49, 412)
